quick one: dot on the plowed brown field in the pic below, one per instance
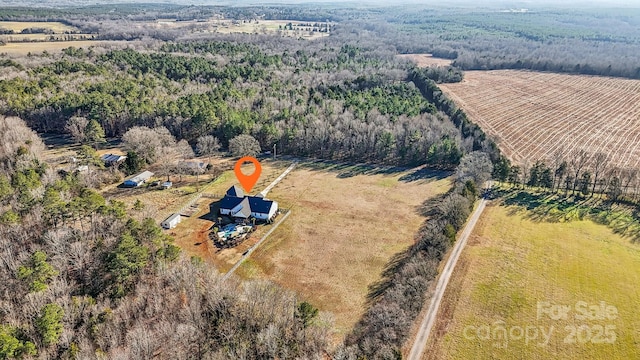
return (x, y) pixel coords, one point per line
(532, 114)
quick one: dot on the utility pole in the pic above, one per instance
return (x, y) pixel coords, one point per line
(274, 151)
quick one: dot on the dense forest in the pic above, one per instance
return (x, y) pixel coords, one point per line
(589, 40)
(310, 99)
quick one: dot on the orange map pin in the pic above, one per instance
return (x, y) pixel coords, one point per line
(248, 181)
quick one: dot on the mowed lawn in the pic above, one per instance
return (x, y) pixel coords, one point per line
(512, 265)
(344, 228)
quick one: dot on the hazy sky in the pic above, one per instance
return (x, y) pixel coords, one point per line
(512, 3)
(505, 4)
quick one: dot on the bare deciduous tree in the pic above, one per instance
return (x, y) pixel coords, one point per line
(207, 145)
(600, 163)
(76, 126)
(475, 166)
(578, 160)
(148, 143)
(244, 145)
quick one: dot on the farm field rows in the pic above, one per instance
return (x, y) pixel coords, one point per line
(533, 114)
(515, 271)
(346, 223)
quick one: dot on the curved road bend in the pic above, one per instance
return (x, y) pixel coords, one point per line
(429, 319)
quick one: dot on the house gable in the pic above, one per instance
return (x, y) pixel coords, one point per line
(236, 191)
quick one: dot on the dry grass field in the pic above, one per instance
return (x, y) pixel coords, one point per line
(24, 48)
(298, 28)
(346, 223)
(271, 26)
(44, 37)
(533, 114)
(514, 270)
(18, 26)
(425, 60)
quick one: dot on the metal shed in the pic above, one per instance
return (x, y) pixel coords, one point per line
(171, 222)
(138, 179)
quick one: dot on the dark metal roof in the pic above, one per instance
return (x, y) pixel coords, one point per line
(229, 202)
(250, 204)
(111, 158)
(259, 205)
(236, 191)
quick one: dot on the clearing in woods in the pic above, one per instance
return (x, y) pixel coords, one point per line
(512, 264)
(533, 114)
(291, 28)
(426, 60)
(346, 223)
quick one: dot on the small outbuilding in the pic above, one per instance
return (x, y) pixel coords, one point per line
(138, 179)
(171, 222)
(113, 159)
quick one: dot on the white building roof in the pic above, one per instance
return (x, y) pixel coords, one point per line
(144, 176)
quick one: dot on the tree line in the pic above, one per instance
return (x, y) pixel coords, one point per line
(399, 297)
(309, 102)
(574, 173)
(313, 101)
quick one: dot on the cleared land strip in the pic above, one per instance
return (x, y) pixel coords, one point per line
(532, 115)
(278, 179)
(429, 319)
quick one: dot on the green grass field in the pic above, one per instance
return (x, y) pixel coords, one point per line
(516, 271)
